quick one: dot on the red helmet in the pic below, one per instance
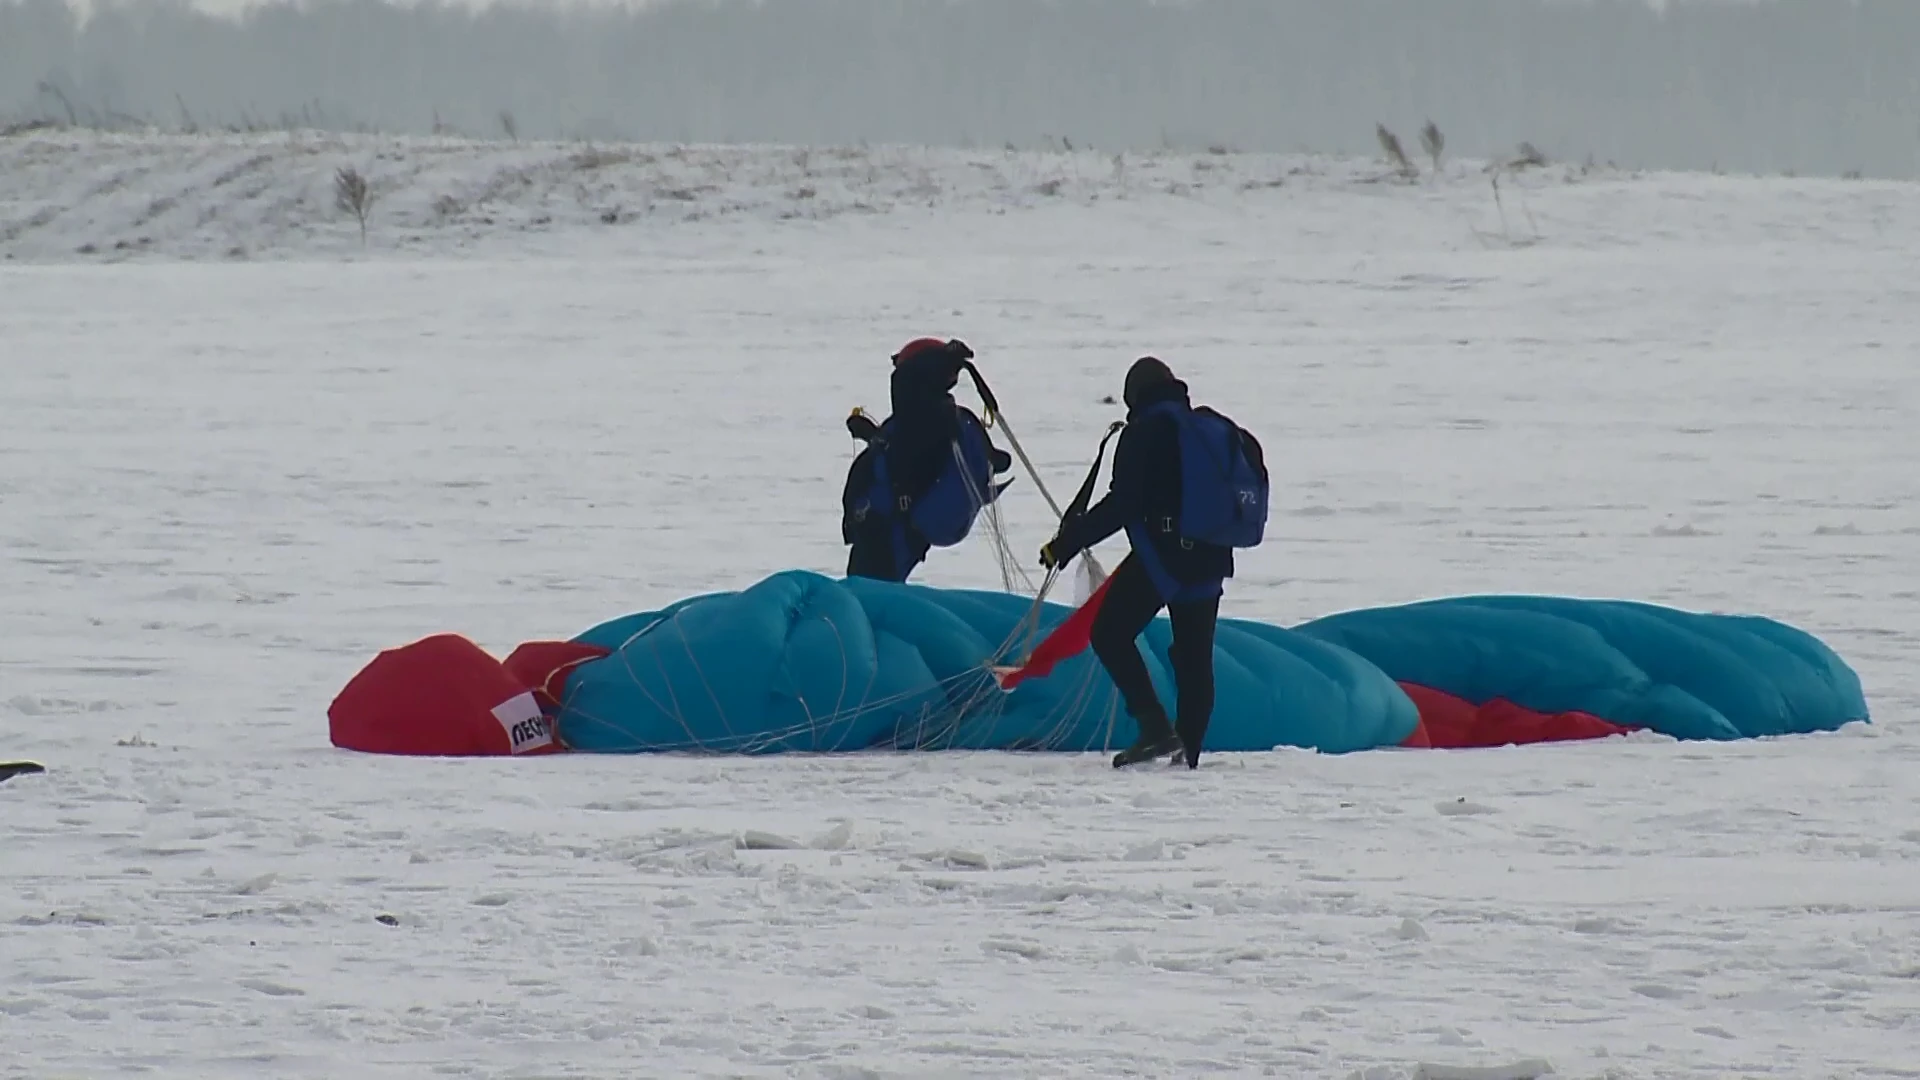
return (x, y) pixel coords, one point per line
(916, 347)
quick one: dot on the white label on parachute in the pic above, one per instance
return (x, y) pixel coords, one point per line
(526, 728)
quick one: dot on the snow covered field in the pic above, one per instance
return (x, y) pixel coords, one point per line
(244, 455)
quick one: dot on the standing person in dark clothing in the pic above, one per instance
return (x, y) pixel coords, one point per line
(1189, 486)
(925, 473)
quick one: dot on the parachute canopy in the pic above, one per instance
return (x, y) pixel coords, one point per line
(804, 663)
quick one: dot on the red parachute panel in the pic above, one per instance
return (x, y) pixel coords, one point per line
(1068, 640)
(440, 696)
(1453, 723)
(543, 666)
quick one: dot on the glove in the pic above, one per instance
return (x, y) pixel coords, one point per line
(958, 349)
(861, 426)
(1048, 560)
(1057, 552)
(1061, 549)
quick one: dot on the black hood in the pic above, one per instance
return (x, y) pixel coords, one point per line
(1150, 382)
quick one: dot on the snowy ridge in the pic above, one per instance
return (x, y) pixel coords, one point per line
(87, 194)
(81, 195)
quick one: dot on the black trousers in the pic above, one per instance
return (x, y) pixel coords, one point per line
(1132, 602)
(876, 555)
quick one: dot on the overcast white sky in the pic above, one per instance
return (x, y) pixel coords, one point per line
(232, 6)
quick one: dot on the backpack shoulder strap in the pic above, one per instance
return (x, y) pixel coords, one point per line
(1084, 497)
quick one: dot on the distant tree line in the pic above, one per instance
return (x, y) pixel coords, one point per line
(1769, 86)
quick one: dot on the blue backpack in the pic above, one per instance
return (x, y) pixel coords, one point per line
(1223, 479)
(946, 511)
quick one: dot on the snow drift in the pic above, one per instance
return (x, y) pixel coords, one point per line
(803, 663)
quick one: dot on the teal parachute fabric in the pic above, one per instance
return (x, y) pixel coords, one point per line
(804, 663)
(1692, 676)
(800, 662)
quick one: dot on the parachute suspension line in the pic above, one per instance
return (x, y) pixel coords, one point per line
(961, 703)
(1007, 557)
(1021, 452)
(969, 697)
(759, 741)
(1029, 626)
(1010, 566)
(1014, 577)
(1019, 640)
(995, 415)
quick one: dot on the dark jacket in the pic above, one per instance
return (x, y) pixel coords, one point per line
(1145, 489)
(925, 422)
(925, 418)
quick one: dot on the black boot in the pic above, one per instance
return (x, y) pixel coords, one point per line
(1191, 735)
(1156, 740)
(1192, 732)
(1190, 754)
(1192, 728)
(1186, 740)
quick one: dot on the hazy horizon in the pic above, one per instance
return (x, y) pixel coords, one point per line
(1818, 87)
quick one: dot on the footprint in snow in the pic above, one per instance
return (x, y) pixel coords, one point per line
(272, 989)
(836, 839)
(755, 840)
(258, 885)
(1026, 950)
(956, 858)
(1530, 1069)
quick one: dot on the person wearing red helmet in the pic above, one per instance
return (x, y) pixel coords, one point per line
(926, 471)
